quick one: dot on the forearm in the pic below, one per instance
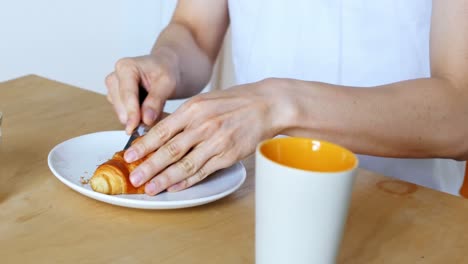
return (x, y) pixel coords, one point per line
(195, 66)
(417, 118)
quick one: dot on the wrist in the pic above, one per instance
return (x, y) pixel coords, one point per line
(166, 51)
(284, 108)
(169, 59)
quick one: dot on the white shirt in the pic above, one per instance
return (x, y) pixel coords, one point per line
(361, 43)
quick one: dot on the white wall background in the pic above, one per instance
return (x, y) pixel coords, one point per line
(76, 42)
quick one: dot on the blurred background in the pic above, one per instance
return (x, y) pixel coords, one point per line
(78, 42)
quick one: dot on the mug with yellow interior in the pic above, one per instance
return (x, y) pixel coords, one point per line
(302, 193)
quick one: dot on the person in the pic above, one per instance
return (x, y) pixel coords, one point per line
(387, 79)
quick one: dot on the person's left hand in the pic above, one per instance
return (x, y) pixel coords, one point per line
(209, 132)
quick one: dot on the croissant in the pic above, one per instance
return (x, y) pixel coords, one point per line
(112, 177)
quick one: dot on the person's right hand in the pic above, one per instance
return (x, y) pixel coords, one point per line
(158, 73)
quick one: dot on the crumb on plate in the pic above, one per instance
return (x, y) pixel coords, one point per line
(83, 180)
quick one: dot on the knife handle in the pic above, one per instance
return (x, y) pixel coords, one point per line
(142, 93)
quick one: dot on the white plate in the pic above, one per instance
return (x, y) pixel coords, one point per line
(78, 157)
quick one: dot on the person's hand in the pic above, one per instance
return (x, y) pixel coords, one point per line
(158, 73)
(209, 132)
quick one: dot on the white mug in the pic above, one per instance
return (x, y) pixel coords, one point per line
(302, 193)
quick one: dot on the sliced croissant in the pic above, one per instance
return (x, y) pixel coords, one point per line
(112, 177)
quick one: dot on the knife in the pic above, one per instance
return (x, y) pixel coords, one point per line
(141, 129)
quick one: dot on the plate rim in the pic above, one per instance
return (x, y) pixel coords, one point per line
(141, 204)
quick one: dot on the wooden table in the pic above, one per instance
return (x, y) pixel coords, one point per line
(43, 221)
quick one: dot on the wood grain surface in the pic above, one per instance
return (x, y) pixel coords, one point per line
(44, 221)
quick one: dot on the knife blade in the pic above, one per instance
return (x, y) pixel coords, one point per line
(141, 129)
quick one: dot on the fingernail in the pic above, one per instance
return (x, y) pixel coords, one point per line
(128, 129)
(150, 188)
(150, 115)
(136, 177)
(127, 125)
(130, 125)
(130, 156)
(122, 117)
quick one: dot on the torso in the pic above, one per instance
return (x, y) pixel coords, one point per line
(360, 43)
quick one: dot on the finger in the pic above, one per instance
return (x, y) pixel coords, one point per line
(158, 119)
(164, 156)
(162, 116)
(214, 164)
(129, 78)
(187, 167)
(152, 108)
(113, 96)
(157, 136)
(203, 107)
